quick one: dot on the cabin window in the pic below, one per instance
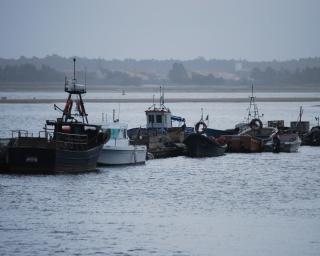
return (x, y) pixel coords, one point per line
(159, 119)
(151, 119)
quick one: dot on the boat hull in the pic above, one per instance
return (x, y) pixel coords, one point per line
(243, 144)
(284, 142)
(290, 147)
(33, 160)
(312, 138)
(122, 156)
(201, 146)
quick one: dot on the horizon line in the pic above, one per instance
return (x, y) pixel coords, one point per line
(164, 59)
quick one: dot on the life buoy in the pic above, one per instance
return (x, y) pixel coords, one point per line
(256, 124)
(198, 126)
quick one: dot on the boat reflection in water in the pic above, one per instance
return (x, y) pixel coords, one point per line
(66, 145)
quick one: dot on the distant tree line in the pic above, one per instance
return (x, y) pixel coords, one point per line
(270, 76)
(29, 73)
(179, 75)
(162, 67)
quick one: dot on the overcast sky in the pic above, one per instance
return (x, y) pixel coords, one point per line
(144, 29)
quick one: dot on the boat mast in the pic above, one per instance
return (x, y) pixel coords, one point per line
(253, 111)
(318, 119)
(300, 115)
(162, 106)
(77, 90)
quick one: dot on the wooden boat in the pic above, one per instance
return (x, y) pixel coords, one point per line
(160, 136)
(200, 145)
(66, 145)
(252, 139)
(242, 143)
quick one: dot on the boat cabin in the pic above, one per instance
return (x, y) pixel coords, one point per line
(159, 118)
(118, 134)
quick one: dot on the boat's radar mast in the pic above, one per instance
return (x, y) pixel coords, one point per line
(253, 111)
(75, 91)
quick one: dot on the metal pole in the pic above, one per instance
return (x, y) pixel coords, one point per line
(74, 68)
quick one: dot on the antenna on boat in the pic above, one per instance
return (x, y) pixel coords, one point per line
(160, 95)
(252, 91)
(300, 114)
(114, 116)
(85, 76)
(153, 104)
(318, 119)
(253, 111)
(74, 69)
(119, 111)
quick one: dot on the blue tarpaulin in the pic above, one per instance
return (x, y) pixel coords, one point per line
(177, 118)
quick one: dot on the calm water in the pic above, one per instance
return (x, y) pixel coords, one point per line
(237, 204)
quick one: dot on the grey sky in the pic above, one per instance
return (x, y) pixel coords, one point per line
(144, 29)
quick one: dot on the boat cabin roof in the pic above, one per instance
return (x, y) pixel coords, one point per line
(158, 110)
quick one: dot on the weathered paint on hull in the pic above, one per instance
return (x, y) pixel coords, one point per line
(31, 160)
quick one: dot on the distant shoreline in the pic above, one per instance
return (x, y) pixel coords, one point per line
(169, 100)
(38, 87)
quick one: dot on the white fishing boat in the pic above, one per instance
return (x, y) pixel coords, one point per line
(118, 151)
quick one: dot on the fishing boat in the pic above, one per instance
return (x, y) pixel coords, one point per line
(118, 150)
(253, 114)
(251, 133)
(200, 145)
(68, 144)
(160, 136)
(299, 126)
(211, 132)
(312, 138)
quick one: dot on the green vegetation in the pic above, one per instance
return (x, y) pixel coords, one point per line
(199, 71)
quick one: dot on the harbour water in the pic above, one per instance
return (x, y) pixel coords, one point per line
(237, 204)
